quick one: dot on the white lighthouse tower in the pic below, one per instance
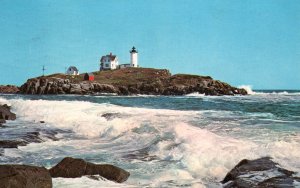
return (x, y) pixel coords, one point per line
(134, 57)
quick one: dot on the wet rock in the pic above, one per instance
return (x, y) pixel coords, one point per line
(73, 168)
(32, 137)
(23, 176)
(262, 172)
(26, 137)
(12, 143)
(2, 121)
(6, 114)
(111, 116)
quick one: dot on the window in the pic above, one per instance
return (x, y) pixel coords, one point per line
(106, 65)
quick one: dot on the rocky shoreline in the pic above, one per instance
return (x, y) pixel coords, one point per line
(9, 89)
(130, 82)
(258, 173)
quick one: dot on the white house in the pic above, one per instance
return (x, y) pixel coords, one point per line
(72, 71)
(109, 62)
(133, 57)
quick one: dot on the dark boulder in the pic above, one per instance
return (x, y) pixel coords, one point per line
(111, 116)
(23, 176)
(11, 143)
(2, 121)
(262, 172)
(73, 168)
(6, 114)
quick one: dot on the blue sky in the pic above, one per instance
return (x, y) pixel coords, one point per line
(251, 42)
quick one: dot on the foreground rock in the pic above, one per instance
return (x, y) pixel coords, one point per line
(11, 143)
(23, 176)
(259, 173)
(130, 81)
(9, 89)
(6, 114)
(73, 168)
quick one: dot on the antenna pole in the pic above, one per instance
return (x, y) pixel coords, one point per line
(43, 70)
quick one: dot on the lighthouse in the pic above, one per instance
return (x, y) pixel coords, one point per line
(134, 57)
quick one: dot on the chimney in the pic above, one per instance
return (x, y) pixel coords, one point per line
(110, 54)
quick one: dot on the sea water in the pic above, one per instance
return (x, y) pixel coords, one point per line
(163, 141)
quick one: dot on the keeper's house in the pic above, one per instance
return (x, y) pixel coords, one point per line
(109, 62)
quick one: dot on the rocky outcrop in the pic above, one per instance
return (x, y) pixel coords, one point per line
(13, 140)
(137, 81)
(11, 143)
(9, 89)
(6, 114)
(259, 173)
(73, 168)
(64, 86)
(23, 176)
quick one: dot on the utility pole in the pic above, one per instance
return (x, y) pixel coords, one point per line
(43, 70)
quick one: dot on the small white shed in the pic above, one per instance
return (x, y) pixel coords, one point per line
(72, 70)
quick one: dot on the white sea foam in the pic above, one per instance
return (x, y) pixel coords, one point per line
(85, 118)
(196, 94)
(185, 153)
(85, 182)
(248, 88)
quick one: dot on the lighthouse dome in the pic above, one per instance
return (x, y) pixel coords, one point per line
(133, 50)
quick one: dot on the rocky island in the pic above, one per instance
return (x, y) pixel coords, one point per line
(9, 89)
(129, 81)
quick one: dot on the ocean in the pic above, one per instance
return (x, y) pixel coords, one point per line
(163, 141)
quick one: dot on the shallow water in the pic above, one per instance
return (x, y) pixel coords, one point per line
(187, 141)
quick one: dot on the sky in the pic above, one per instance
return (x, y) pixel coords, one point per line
(241, 42)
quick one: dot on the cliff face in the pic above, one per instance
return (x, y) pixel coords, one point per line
(130, 81)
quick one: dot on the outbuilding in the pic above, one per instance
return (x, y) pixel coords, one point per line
(89, 76)
(72, 70)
